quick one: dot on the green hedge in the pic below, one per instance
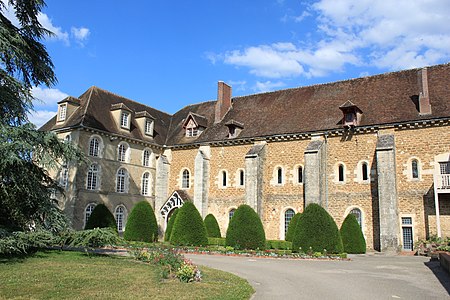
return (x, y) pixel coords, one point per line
(170, 225)
(246, 230)
(188, 229)
(141, 224)
(316, 230)
(292, 225)
(216, 241)
(101, 217)
(212, 227)
(352, 236)
(278, 245)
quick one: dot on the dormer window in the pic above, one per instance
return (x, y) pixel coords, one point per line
(194, 124)
(62, 112)
(234, 128)
(125, 119)
(352, 114)
(149, 127)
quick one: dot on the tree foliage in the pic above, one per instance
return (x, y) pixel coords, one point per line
(246, 230)
(170, 225)
(27, 154)
(188, 229)
(212, 227)
(101, 217)
(352, 236)
(292, 225)
(141, 224)
(316, 230)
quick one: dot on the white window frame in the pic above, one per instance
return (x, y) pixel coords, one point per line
(120, 214)
(146, 156)
(88, 211)
(285, 221)
(64, 175)
(92, 178)
(185, 180)
(145, 184)
(94, 147)
(122, 181)
(125, 119)
(123, 152)
(62, 112)
(149, 125)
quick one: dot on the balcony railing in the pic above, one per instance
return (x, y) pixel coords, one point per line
(443, 182)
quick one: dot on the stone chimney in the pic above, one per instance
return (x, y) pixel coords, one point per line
(223, 103)
(424, 98)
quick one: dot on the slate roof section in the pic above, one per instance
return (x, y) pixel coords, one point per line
(94, 112)
(385, 99)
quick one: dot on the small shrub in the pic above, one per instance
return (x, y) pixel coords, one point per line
(170, 225)
(101, 217)
(212, 227)
(141, 224)
(216, 241)
(21, 243)
(188, 229)
(292, 225)
(352, 236)
(95, 238)
(316, 230)
(246, 230)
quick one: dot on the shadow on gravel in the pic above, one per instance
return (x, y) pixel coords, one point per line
(441, 274)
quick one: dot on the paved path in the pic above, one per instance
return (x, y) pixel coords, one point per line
(364, 277)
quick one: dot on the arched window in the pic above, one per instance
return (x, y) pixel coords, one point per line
(94, 147)
(357, 213)
(87, 212)
(279, 175)
(341, 173)
(185, 179)
(241, 178)
(288, 215)
(231, 213)
(67, 138)
(365, 171)
(300, 174)
(92, 177)
(121, 181)
(415, 169)
(120, 217)
(64, 175)
(122, 152)
(146, 158)
(145, 188)
(224, 178)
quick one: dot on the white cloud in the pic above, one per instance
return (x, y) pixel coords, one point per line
(40, 117)
(47, 97)
(80, 34)
(59, 33)
(391, 35)
(267, 86)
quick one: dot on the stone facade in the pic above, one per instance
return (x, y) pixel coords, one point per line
(386, 173)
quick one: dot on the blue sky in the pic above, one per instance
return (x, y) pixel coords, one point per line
(168, 54)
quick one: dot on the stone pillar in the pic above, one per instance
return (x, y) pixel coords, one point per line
(315, 173)
(161, 188)
(387, 193)
(201, 180)
(254, 163)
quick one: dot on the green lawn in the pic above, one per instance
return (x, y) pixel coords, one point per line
(73, 275)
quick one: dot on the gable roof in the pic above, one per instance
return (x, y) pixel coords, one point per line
(384, 99)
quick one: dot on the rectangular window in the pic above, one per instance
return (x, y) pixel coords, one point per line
(124, 119)
(149, 127)
(62, 112)
(406, 221)
(191, 132)
(444, 167)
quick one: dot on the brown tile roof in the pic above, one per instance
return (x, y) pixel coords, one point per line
(383, 99)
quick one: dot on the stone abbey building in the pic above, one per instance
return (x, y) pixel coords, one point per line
(377, 147)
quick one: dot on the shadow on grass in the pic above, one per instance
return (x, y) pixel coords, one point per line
(442, 275)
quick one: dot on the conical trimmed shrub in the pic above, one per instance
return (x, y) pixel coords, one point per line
(352, 236)
(101, 217)
(316, 230)
(246, 230)
(141, 224)
(170, 225)
(188, 229)
(212, 227)
(292, 225)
